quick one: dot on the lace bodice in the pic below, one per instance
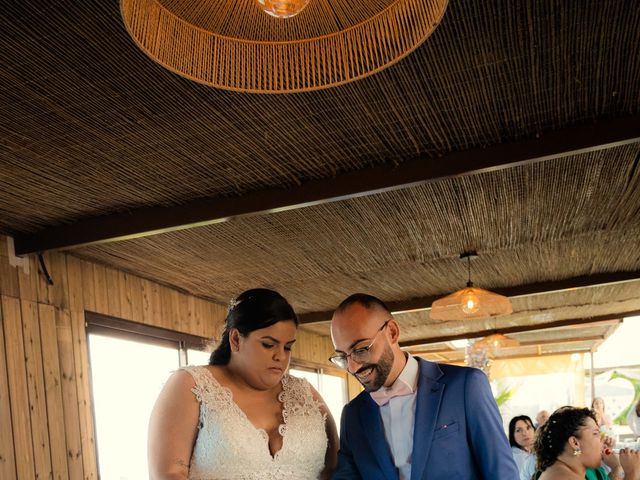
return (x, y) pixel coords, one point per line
(229, 446)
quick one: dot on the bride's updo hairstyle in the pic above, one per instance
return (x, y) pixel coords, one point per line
(552, 437)
(251, 310)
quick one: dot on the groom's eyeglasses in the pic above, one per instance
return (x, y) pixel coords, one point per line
(358, 355)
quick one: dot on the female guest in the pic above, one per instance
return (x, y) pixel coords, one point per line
(569, 447)
(521, 438)
(242, 416)
(603, 420)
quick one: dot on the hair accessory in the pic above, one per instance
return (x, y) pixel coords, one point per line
(577, 452)
(232, 304)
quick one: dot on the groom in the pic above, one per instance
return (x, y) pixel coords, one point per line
(415, 419)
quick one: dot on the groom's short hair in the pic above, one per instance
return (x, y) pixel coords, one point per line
(367, 301)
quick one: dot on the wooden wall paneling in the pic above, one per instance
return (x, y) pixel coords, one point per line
(186, 313)
(18, 389)
(199, 319)
(166, 307)
(146, 301)
(8, 275)
(69, 394)
(88, 296)
(100, 290)
(4, 252)
(218, 316)
(214, 320)
(83, 385)
(7, 452)
(29, 281)
(133, 286)
(155, 306)
(36, 389)
(75, 283)
(113, 292)
(313, 347)
(126, 308)
(171, 310)
(208, 330)
(57, 266)
(44, 290)
(195, 304)
(53, 392)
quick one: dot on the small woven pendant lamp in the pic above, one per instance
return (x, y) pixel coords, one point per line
(470, 302)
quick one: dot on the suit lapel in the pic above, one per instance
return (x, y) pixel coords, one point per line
(427, 406)
(374, 433)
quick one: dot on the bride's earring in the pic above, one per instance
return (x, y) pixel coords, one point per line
(577, 452)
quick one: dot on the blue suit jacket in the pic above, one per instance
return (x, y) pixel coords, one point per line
(458, 431)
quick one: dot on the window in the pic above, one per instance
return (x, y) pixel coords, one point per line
(330, 383)
(129, 364)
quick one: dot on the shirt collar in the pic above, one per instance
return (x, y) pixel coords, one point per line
(409, 374)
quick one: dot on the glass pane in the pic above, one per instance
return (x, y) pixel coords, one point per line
(126, 377)
(334, 391)
(197, 357)
(309, 375)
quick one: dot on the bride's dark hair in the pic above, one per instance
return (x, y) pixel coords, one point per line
(251, 310)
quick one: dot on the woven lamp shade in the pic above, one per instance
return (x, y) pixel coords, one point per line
(282, 8)
(470, 302)
(235, 45)
(497, 340)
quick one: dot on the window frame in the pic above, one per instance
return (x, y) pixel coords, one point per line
(97, 323)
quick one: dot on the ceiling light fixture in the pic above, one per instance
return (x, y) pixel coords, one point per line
(470, 302)
(233, 45)
(497, 341)
(282, 8)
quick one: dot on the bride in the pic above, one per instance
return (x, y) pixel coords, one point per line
(241, 416)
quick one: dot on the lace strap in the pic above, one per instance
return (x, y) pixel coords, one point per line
(199, 374)
(207, 389)
(297, 396)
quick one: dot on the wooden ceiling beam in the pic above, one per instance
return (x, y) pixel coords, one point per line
(424, 303)
(518, 329)
(532, 343)
(156, 220)
(519, 356)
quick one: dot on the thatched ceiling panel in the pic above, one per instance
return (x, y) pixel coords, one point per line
(535, 223)
(81, 101)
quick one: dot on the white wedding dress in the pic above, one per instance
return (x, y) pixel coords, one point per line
(229, 446)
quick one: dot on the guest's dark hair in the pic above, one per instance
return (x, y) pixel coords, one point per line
(512, 429)
(553, 435)
(367, 301)
(251, 310)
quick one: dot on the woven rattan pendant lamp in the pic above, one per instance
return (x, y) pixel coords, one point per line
(470, 302)
(496, 341)
(282, 8)
(235, 45)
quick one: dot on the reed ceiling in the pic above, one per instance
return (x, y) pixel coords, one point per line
(91, 128)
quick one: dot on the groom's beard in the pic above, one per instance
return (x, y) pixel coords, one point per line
(380, 372)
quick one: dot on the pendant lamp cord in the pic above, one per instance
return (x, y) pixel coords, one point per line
(469, 282)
